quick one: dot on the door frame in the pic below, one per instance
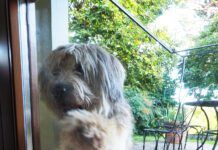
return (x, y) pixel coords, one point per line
(19, 99)
(8, 135)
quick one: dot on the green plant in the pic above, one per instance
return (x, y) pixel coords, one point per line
(171, 115)
(146, 112)
(140, 108)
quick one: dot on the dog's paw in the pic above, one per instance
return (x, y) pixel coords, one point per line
(93, 134)
(85, 128)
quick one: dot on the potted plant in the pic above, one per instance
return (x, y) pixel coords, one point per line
(175, 124)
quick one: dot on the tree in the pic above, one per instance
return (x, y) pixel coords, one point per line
(201, 73)
(163, 96)
(100, 22)
(94, 21)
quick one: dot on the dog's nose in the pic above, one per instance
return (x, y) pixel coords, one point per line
(61, 90)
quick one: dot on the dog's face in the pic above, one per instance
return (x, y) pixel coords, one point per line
(81, 77)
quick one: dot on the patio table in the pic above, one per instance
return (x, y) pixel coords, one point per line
(202, 104)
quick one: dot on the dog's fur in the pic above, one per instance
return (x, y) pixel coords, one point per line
(83, 85)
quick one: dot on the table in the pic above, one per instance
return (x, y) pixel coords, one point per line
(202, 104)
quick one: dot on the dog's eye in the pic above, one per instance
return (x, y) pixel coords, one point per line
(56, 72)
(79, 69)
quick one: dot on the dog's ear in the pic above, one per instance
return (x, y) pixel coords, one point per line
(111, 74)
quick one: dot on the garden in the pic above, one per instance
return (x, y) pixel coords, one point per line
(153, 85)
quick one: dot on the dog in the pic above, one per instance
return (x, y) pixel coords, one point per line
(83, 85)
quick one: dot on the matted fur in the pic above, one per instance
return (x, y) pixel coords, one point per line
(83, 85)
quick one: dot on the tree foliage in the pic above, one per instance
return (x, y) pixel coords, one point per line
(163, 95)
(100, 22)
(201, 73)
(94, 21)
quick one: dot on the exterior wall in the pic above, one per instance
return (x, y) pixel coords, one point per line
(51, 31)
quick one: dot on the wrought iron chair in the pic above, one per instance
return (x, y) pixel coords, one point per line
(163, 131)
(198, 129)
(176, 129)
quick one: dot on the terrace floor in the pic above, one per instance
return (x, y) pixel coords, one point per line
(151, 145)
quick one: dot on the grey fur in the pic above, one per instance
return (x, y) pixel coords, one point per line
(103, 72)
(95, 77)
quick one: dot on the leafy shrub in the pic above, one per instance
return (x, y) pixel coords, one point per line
(148, 113)
(170, 116)
(140, 108)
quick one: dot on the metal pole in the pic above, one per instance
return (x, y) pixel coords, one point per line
(204, 46)
(204, 53)
(129, 15)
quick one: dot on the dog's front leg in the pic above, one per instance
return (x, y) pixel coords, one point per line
(83, 130)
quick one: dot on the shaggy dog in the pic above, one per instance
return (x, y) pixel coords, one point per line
(83, 86)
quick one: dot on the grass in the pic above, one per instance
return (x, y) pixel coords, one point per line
(139, 138)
